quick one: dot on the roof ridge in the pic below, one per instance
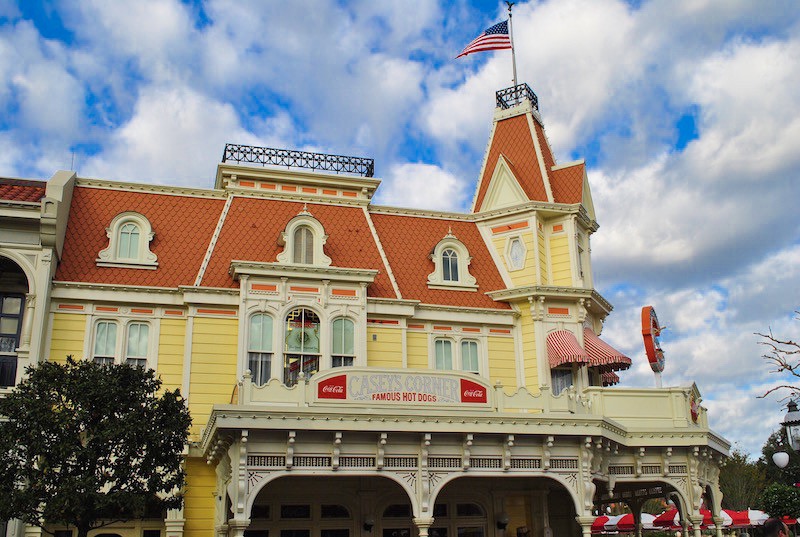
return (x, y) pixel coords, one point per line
(382, 253)
(210, 250)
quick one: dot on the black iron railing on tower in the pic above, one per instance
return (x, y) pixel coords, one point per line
(506, 98)
(267, 156)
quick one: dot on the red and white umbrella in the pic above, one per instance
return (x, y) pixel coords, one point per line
(621, 523)
(730, 519)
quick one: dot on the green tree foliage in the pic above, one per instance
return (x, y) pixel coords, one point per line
(787, 476)
(85, 445)
(781, 500)
(741, 481)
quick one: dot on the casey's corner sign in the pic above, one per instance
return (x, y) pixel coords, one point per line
(401, 387)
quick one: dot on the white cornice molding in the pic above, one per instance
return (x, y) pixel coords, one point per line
(405, 211)
(551, 292)
(150, 188)
(294, 176)
(288, 270)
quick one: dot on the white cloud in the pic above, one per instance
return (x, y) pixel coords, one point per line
(176, 135)
(421, 186)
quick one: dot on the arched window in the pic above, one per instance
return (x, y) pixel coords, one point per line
(450, 265)
(128, 241)
(451, 262)
(343, 343)
(303, 246)
(105, 342)
(469, 356)
(443, 349)
(301, 352)
(136, 348)
(129, 235)
(259, 348)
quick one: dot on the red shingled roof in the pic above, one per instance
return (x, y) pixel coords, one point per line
(253, 226)
(21, 190)
(408, 242)
(514, 140)
(183, 227)
(567, 184)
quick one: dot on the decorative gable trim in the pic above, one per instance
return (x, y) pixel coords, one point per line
(504, 189)
(129, 236)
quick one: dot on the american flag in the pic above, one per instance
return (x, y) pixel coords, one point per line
(494, 38)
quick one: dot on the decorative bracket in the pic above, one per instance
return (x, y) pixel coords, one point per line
(466, 451)
(290, 450)
(381, 451)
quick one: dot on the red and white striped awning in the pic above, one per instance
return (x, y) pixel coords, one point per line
(602, 354)
(609, 378)
(563, 348)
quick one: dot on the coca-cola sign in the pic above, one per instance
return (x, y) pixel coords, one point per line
(333, 388)
(472, 392)
(407, 387)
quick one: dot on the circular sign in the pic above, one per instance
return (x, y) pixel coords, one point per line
(651, 331)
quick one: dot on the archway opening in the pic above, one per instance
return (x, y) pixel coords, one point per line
(13, 288)
(329, 506)
(530, 506)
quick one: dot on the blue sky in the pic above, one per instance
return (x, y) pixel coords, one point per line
(687, 113)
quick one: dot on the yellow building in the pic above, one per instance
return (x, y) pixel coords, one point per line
(354, 369)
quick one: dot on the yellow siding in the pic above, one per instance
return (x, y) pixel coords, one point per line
(559, 259)
(384, 347)
(68, 333)
(529, 353)
(213, 377)
(170, 352)
(502, 364)
(417, 350)
(198, 502)
(543, 259)
(499, 244)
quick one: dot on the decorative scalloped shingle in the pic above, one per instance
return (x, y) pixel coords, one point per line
(182, 225)
(514, 140)
(567, 184)
(408, 242)
(21, 190)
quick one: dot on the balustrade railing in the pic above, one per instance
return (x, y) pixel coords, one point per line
(291, 158)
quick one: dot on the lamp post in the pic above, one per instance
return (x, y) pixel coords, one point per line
(791, 426)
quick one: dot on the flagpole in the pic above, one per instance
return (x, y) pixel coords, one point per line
(511, 38)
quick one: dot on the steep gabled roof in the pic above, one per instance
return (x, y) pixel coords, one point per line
(513, 139)
(183, 227)
(22, 190)
(253, 227)
(567, 183)
(408, 242)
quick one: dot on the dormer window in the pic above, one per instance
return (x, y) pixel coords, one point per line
(304, 241)
(129, 236)
(450, 265)
(303, 246)
(451, 261)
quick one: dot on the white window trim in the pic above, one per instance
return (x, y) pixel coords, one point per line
(466, 281)
(121, 343)
(304, 218)
(145, 258)
(246, 345)
(511, 266)
(458, 363)
(354, 356)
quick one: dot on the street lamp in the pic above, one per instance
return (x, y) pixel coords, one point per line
(791, 423)
(791, 426)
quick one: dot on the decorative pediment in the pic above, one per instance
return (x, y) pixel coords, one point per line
(504, 189)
